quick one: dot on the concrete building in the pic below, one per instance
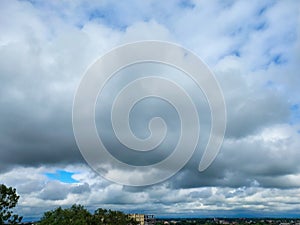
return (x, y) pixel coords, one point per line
(143, 219)
(140, 218)
(149, 220)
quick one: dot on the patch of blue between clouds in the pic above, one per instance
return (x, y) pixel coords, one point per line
(260, 26)
(295, 114)
(98, 14)
(269, 84)
(186, 4)
(235, 53)
(267, 4)
(108, 17)
(62, 176)
(278, 59)
(262, 10)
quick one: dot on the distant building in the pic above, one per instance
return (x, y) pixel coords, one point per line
(143, 219)
(224, 222)
(149, 220)
(140, 218)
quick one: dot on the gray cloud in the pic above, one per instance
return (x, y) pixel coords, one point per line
(253, 50)
(81, 188)
(54, 191)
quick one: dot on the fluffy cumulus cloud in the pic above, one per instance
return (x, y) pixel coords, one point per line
(253, 48)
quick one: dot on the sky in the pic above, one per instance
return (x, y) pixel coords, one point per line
(252, 47)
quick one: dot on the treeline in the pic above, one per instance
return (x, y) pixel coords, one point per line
(75, 215)
(78, 215)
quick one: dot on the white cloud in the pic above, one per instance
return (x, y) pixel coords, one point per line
(101, 193)
(250, 45)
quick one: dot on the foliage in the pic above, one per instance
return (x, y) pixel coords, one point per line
(8, 201)
(109, 217)
(78, 215)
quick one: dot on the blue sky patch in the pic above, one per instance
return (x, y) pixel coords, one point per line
(260, 26)
(187, 4)
(295, 107)
(62, 176)
(278, 59)
(109, 17)
(295, 113)
(269, 83)
(262, 10)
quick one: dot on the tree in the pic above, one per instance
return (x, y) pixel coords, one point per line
(110, 217)
(76, 215)
(8, 201)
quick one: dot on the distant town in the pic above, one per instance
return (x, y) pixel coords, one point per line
(143, 219)
(228, 221)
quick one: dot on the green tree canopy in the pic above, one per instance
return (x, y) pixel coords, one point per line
(110, 217)
(8, 201)
(78, 215)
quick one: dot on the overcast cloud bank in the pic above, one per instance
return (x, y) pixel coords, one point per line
(253, 47)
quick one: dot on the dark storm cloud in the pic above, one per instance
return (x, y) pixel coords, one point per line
(266, 159)
(37, 85)
(37, 132)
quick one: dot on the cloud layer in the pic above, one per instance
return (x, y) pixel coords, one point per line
(253, 49)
